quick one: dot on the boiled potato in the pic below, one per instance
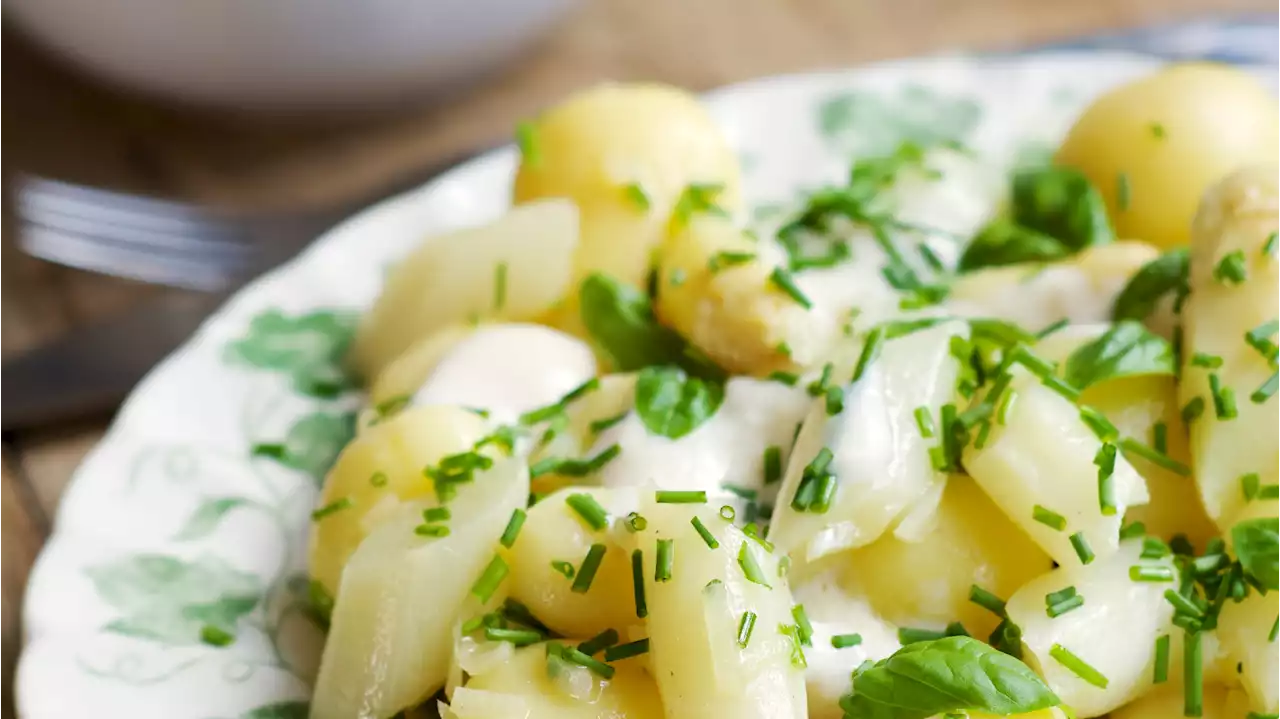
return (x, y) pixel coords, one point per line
(1081, 288)
(592, 147)
(1135, 404)
(694, 617)
(1042, 455)
(378, 471)
(391, 634)
(878, 454)
(1168, 703)
(514, 268)
(926, 582)
(406, 373)
(1244, 630)
(523, 686)
(834, 610)
(1237, 215)
(1114, 631)
(554, 532)
(1172, 134)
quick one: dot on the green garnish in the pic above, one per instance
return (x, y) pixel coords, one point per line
(1167, 274)
(782, 280)
(1266, 391)
(705, 533)
(986, 600)
(1160, 437)
(518, 637)
(1259, 338)
(728, 258)
(1257, 546)
(332, 508)
(589, 510)
(1124, 192)
(1149, 573)
(600, 425)
(1157, 130)
(697, 198)
(1081, 545)
(1192, 675)
(574, 467)
(1052, 328)
(1126, 349)
(379, 479)
(1078, 666)
(1269, 246)
(844, 641)
(804, 628)
(1182, 605)
(626, 651)
(667, 496)
(499, 286)
(1231, 269)
(574, 655)
(817, 485)
(672, 404)
(772, 464)
(870, 351)
(912, 635)
(637, 196)
(435, 514)
(1133, 446)
(636, 522)
(1192, 410)
(1105, 460)
(666, 557)
(527, 141)
(1060, 602)
(431, 530)
(637, 583)
(750, 567)
(1224, 398)
(790, 379)
(1098, 422)
(1160, 674)
(587, 572)
(216, 636)
(1048, 518)
(924, 422)
(564, 568)
(745, 625)
(489, 580)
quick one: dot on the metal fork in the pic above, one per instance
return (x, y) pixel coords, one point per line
(167, 242)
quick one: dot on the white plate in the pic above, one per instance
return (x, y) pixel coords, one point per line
(171, 524)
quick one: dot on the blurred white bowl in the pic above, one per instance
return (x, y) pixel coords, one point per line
(288, 54)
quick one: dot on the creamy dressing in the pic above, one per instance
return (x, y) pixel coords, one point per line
(727, 449)
(1044, 294)
(508, 369)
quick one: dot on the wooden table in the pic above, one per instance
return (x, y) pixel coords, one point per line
(65, 126)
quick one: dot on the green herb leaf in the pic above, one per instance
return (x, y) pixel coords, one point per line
(1256, 545)
(1166, 274)
(672, 404)
(621, 321)
(1127, 349)
(1003, 242)
(956, 673)
(1061, 203)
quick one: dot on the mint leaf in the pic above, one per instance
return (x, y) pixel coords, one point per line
(952, 674)
(1257, 546)
(1003, 243)
(621, 321)
(1164, 275)
(1127, 349)
(1062, 203)
(672, 404)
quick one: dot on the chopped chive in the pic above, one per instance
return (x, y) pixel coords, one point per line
(1224, 398)
(870, 350)
(1182, 605)
(727, 513)
(844, 641)
(956, 629)
(1250, 485)
(589, 510)
(1190, 624)
(599, 642)
(563, 567)
(1259, 338)
(332, 508)
(1157, 130)
(1161, 672)
(518, 637)
(924, 422)
(1129, 444)
(513, 528)
(745, 625)
(1275, 629)
(636, 522)
(984, 430)
(804, 628)
(819, 386)
(489, 580)
(1123, 192)
(600, 425)
(431, 530)
(743, 492)
(1078, 666)
(1048, 518)
(1154, 548)
(772, 464)
(666, 557)
(527, 141)
(636, 195)
(1269, 247)
(783, 280)
(750, 567)
(392, 405)
(666, 496)
(499, 286)
(1081, 545)
(1208, 361)
(1007, 638)
(1129, 531)
(705, 533)
(626, 651)
(582, 659)
(677, 277)
(587, 572)
(1148, 573)
(1192, 410)
(1056, 610)
(797, 649)
(1160, 437)
(728, 258)
(1006, 406)
(1266, 391)
(1105, 460)
(379, 479)
(986, 600)
(1230, 270)
(435, 514)
(637, 583)
(790, 379)
(834, 401)
(1102, 427)
(911, 635)
(1269, 491)
(216, 636)
(1052, 328)
(1193, 675)
(574, 467)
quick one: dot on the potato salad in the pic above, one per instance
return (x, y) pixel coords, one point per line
(945, 439)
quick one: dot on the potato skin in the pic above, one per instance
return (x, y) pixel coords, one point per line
(1172, 134)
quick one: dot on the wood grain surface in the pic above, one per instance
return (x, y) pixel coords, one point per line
(62, 125)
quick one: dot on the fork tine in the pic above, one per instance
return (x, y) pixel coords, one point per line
(53, 195)
(142, 264)
(189, 240)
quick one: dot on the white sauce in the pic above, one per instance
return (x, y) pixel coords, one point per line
(1046, 295)
(508, 369)
(726, 449)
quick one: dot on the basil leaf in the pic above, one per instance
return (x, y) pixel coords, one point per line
(952, 674)
(672, 404)
(1125, 350)
(1062, 203)
(1257, 546)
(1166, 273)
(620, 320)
(1003, 242)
